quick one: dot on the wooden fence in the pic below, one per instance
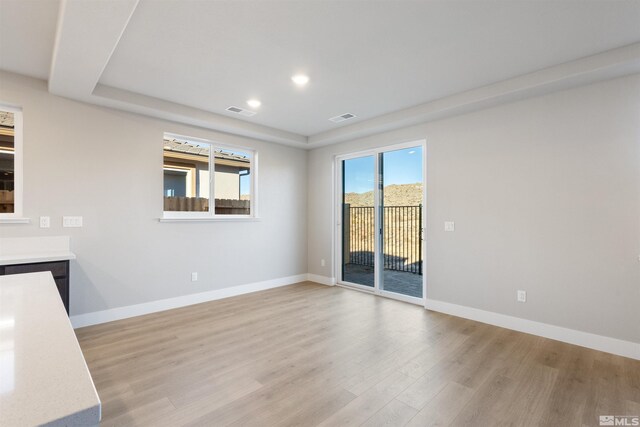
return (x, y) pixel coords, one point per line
(6, 201)
(232, 207)
(201, 204)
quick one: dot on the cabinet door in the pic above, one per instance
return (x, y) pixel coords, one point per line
(58, 269)
(63, 289)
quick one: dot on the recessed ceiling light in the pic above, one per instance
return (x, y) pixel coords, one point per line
(254, 103)
(300, 79)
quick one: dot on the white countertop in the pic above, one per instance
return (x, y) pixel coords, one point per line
(36, 257)
(43, 374)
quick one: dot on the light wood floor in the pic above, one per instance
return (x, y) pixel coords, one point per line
(308, 355)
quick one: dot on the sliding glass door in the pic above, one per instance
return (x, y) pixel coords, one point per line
(358, 213)
(381, 210)
(401, 220)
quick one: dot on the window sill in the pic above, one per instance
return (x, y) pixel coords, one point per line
(15, 220)
(216, 219)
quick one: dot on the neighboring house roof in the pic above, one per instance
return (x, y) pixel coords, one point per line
(188, 148)
(6, 119)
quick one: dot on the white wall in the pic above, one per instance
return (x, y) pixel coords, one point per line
(107, 166)
(545, 194)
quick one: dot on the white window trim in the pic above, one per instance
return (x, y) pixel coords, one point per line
(180, 216)
(16, 216)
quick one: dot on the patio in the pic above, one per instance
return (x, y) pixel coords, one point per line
(400, 282)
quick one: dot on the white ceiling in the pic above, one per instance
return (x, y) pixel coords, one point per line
(366, 58)
(369, 58)
(27, 33)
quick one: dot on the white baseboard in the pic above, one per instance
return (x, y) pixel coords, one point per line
(96, 317)
(323, 280)
(571, 336)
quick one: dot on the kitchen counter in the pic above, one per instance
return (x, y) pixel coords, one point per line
(44, 378)
(36, 257)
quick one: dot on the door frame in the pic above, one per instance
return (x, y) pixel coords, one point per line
(337, 214)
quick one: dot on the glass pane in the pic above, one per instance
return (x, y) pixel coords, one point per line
(232, 182)
(186, 176)
(358, 221)
(401, 220)
(7, 162)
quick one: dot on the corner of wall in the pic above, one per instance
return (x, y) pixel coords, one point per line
(323, 280)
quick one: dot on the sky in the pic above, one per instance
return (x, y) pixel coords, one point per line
(400, 167)
(245, 185)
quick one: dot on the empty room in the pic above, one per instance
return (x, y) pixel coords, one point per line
(319, 213)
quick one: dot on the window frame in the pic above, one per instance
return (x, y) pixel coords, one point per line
(18, 171)
(172, 216)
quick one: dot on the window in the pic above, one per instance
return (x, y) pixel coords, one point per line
(10, 163)
(189, 186)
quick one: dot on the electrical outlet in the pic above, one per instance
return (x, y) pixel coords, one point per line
(322, 263)
(45, 222)
(194, 277)
(449, 226)
(522, 296)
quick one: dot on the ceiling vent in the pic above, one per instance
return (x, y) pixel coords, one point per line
(241, 111)
(342, 117)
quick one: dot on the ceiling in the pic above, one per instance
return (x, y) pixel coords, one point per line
(27, 33)
(190, 60)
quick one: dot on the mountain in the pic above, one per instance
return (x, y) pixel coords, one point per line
(394, 195)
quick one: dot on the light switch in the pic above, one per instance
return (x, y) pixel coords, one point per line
(71, 221)
(449, 226)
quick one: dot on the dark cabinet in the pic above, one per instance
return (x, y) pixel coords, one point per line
(59, 270)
